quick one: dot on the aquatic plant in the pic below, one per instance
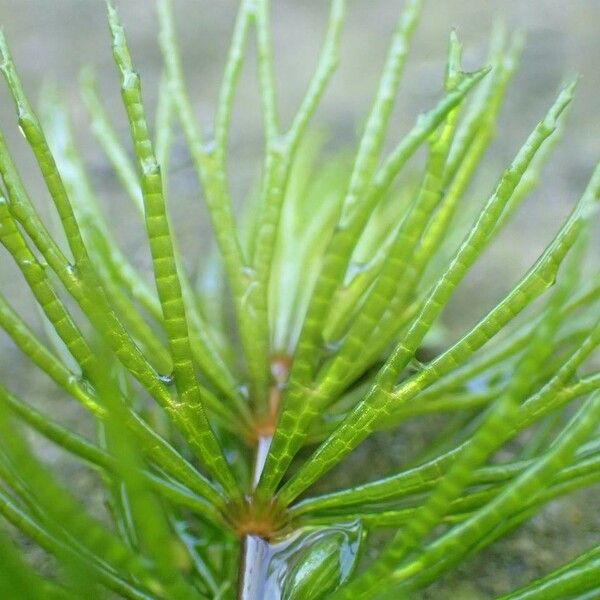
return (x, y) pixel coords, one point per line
(220, 401)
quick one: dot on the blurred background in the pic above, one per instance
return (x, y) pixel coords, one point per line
(51, 41)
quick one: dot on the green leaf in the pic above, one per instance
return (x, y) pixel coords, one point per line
(212, 178)
(190, 401)
(572, 579)
(279, 154)
(378, 404)
(449, 548)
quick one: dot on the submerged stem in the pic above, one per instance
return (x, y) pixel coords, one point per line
(253, 566)
(255, 549)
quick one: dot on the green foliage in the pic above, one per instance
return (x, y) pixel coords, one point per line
(217, 403)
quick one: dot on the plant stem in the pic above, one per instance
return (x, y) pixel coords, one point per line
(262, 450)
(253, 567)
(255, 549)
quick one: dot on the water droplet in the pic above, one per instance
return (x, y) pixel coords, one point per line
(150, 167)
(167, 379)
(289, 561)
